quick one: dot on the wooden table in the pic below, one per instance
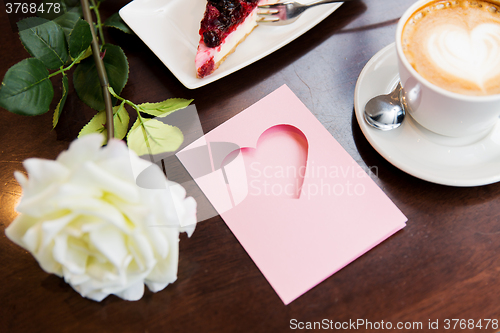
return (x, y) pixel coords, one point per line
(444, 265)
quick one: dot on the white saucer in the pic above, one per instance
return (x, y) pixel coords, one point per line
(417, 151)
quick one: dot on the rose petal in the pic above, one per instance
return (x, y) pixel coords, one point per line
(132, 293)
(111, 243)
(141, 250)
(100, 271)
(81, 150)
(74, 279)
(70, 257)
(18, 228)
(165, 270)
(159, 242)
(43, 173)
(38, 205)
(31, 238)
(52, 227)
(46, 260)
(156, 286)
(96, 209)
(21, 179)
(138, 165)
(92, 294)
(188, 220)
(91, 175)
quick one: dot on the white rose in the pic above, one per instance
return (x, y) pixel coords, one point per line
(84, 218)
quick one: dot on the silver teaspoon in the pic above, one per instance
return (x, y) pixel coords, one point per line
(385, 112)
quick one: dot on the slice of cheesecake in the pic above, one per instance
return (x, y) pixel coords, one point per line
(225, 24)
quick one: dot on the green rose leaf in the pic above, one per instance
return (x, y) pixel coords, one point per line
(120, 120)
(154, 137)
(163, 109)
(60, 105)
(95, 125)
(47, 43)
(26, 88)
(115, 21)
(71, 5)
(87, 54)
(30, 22)
(98, 123)
(67, 21)
(79, 38)
(86, 79)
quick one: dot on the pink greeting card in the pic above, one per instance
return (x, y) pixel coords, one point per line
(294, 198)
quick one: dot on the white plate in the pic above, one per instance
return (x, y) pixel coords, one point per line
(417, 151)
(170, 29)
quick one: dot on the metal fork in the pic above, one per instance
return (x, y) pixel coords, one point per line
(282, 13)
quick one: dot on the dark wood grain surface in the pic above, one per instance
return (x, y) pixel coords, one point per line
(444, 265)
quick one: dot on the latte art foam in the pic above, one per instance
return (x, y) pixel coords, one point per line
(456, 45)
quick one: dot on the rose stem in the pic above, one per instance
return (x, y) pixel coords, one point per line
(101, 71)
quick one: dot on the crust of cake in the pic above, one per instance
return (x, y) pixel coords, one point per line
(229, 53)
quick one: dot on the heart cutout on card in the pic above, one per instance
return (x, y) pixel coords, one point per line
(473, 55)
(278, 165)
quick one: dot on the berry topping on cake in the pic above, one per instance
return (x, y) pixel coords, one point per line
(225, 24)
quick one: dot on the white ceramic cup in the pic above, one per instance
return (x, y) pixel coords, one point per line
(439, 110)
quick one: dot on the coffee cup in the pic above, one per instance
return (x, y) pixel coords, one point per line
(449, 65)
